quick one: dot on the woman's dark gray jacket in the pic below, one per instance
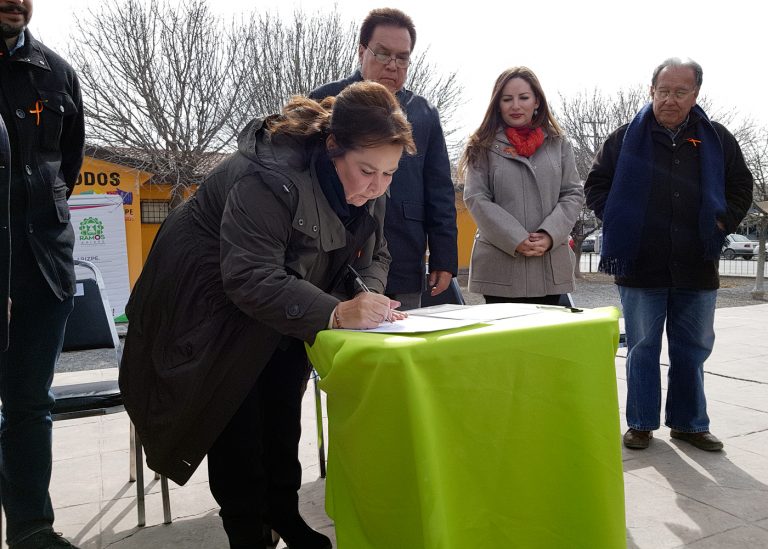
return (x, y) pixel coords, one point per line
(241, 265)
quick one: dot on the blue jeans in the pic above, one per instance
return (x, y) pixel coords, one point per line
(689, 316)
(26, 372)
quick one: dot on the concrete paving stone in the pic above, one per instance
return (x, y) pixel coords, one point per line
(660, 518)
(763, 524)
(752, 368)
(203, 532)
(191, 500)
(120, 518)
(727, 420)
(73, 438)
(752, 396)
(744, 537)
(756, 443)
(733, 482)
(75, 481)
(115, 474)
(114, 432)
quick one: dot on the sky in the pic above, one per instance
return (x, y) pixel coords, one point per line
(572, 46)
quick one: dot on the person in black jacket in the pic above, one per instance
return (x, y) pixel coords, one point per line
(421, 209)
(260, 260)
(669, 186)
(43, 133)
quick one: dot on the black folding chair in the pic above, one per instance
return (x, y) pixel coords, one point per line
(91, 326)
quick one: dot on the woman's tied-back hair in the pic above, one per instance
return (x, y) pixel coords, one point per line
(480, 141)
(364, 114)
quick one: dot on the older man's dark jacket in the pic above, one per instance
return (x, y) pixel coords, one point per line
(671, 254)
(41, 106)
(421, 210)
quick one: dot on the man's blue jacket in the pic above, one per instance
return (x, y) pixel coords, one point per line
(421, 210)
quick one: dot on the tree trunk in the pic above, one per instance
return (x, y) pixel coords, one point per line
(758, 292)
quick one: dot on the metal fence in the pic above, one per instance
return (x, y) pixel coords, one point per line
(746, 268)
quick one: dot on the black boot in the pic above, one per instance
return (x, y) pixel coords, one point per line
(271, 538)
(297, 533)
(45, 539)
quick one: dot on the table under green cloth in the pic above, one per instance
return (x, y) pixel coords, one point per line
(491, 436)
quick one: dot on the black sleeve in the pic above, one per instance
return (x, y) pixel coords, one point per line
(72, 140)
(439, 202)
(738, 182)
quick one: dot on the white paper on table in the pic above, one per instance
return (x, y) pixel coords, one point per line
(480, 313)
(418, 324)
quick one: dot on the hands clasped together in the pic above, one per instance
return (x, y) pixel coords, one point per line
(537, 244)
(367, 310)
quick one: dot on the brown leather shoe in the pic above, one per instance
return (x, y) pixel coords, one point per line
(703, 441)
(637, 440)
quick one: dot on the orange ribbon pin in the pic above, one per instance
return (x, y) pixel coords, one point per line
(694, 142)
(37, 110)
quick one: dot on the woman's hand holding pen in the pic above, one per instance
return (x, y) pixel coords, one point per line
(367, 310)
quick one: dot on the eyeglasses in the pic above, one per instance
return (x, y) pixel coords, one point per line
(385, 58)
(679, 95)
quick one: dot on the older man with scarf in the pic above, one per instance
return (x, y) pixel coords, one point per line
(668, 186)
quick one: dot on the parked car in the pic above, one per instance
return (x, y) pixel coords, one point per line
(590, 243)
(738, 245)
(757, 248)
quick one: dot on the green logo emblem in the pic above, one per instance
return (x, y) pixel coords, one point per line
(91, 231)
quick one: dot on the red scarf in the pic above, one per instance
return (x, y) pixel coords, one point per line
(524, 140)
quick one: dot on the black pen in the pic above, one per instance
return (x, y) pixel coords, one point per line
(358, 279)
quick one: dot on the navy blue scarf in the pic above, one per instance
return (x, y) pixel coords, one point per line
(334, 190)
(625, 208)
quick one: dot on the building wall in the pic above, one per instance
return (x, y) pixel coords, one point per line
(101, 177)
(467, 228)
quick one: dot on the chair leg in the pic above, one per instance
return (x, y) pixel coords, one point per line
(166, 500)
(136, 475)
(140, 504)
(132, 452)
(320, 434)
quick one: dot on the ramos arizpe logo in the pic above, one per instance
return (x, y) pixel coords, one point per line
(91, 231)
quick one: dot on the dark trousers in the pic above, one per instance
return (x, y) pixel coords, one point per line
(26, 372)
(542, 300)
(253, 467)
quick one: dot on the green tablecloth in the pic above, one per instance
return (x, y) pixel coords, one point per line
(493, 437)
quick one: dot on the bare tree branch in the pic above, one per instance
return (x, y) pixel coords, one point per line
(172, 86)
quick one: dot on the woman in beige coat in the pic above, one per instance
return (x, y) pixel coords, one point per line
(523, 191)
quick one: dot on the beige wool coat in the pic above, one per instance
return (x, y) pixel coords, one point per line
(511, 196)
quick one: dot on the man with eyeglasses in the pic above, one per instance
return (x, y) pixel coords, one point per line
(421, 212)
(668, 186)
